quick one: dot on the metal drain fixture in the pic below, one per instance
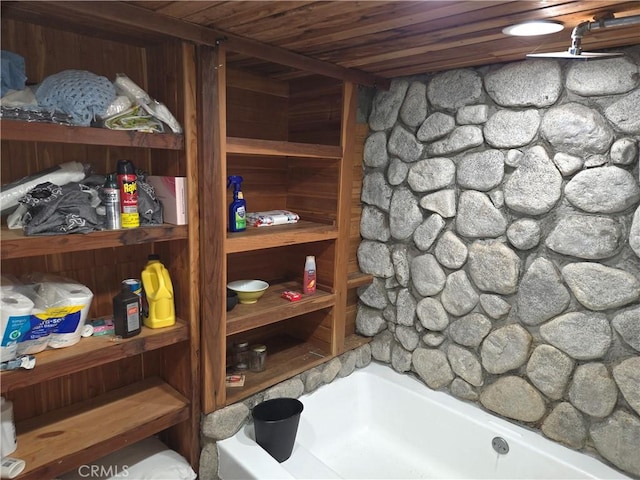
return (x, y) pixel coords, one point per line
(500, 445)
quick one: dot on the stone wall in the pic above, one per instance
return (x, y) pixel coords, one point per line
(501, 223)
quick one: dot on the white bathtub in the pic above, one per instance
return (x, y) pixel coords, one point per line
(377, 423)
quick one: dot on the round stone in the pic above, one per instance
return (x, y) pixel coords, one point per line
(513, 397)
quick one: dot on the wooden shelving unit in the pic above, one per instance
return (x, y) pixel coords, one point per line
(103, 349)
(272, 308)
(287, 357)
(290, 139)
(87, 400)
(260, 238)
(49, 132)
(16, 245)
(251, 146)
(291, 155)
(53, 443)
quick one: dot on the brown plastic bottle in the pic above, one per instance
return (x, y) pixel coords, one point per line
(126, 313)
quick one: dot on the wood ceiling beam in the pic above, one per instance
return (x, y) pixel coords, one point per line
(141, 19)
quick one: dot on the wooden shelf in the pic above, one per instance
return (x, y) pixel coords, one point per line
(61, 440)
(353, 341)
(358, 279)
(286, 357)
(258, 238)
(102, 349)
(272, 308)
(50, 132)
(250, 146)
(14, 244)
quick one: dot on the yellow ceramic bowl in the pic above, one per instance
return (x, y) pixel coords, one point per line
(249, 291)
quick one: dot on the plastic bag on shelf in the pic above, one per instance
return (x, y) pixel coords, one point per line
(119, 105)
(61, 174)
(126, 87)
(160, 111)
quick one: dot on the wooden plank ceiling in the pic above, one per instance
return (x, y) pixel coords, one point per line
(368, 42)
(397, 38)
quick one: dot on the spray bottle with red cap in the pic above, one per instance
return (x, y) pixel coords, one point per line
(127, 182)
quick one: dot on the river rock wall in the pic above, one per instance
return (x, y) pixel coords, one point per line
(501, 223)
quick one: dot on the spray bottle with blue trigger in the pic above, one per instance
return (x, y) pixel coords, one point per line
(238, 207)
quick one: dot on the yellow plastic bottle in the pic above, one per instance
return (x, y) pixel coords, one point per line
(159, 292)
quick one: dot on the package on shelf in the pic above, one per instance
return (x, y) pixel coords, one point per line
(40, 311)
(140, 112)
(61, 174)
(271, 217)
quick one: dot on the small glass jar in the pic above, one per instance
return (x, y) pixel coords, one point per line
(258, 358)
(241, 356)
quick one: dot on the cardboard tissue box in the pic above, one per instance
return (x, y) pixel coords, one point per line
(172, 192)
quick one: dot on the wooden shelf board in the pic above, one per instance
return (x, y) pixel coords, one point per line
(14, 244)
(63, 439)
(351, 342)
(102, 349)
(358, 279)
(272, 308)
(257, 238)
(286, 357)
(51, 132)
(251, 146)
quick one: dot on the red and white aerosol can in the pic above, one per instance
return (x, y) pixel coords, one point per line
(127, 178)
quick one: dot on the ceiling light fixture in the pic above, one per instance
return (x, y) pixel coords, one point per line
(530, 29)
(575, 50)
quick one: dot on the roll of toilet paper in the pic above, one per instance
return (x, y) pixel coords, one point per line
(7, 282)
(60, 310)
(77, 299)
(37, 338)
(11, 467)
(15, 317)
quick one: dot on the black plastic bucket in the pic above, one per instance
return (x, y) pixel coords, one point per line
(276, 425)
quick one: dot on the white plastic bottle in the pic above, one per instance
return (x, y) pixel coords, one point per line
(8, 443)
(309, 277)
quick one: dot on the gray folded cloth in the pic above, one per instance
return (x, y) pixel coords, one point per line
(149, 207)
(54, 209)
(49, 209)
